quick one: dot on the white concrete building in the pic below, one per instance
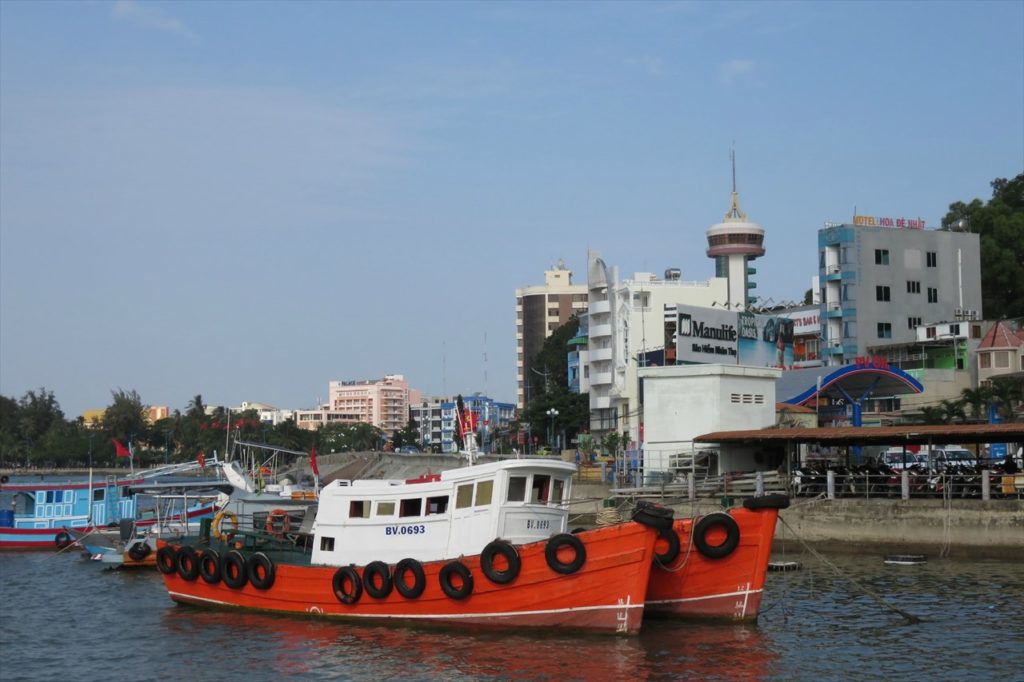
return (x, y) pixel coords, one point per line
(685, 401)
(626, 328)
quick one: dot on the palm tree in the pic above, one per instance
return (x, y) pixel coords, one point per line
(1007, 394)
(953, 410)
(196, 408)
(933, 415)
(977, 399)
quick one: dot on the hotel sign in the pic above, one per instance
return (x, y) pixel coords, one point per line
(904, 223)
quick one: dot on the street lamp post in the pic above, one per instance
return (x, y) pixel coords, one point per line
(552, 412)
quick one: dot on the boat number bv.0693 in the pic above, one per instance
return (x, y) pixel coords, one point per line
(538, 524)
(417, 529)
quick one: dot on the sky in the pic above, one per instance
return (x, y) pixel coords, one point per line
(248, 200)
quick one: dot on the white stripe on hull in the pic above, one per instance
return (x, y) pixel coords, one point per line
(453, 616)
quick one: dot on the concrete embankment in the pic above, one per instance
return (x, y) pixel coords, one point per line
(958, 527)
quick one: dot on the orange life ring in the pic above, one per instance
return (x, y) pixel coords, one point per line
(271, 525)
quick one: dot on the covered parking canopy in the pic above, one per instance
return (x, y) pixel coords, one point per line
(906, 434)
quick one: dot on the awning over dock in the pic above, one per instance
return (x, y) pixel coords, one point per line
(909, 434)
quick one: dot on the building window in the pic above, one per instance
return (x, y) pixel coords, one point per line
(932, 259)
(552, 312)
(975, 331)
(930, 332)
(884, 330)
(821, 260)
(1002, 359)
(881, 256)
(913, 287)
(954, 329)
(882, 293)
(985, 360)
(913, 322)
(933, 295)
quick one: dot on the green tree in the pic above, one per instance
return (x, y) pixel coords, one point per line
(410, 435)
(126, 417)
(977, 400)
(1000, 226)
(549, 388)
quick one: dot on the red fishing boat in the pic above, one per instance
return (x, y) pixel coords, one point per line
(481, 545)
(714, 566)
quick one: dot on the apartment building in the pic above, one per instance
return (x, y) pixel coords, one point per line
(540, 310)
(882, 278)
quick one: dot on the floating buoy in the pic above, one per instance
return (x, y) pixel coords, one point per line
(905, 559)
(784, 566)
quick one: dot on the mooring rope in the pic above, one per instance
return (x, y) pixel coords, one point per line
(910, 618)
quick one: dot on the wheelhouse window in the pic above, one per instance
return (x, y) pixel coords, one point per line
(464, 496)
(359, 509)
(516, 489)
(410, 507)
(484, 492)
(558, 491)
(385, 509)
(437, 505)
(326, 544)
(98, 494)
(540, 489)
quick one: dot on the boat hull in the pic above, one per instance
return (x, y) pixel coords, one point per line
(727, 588)
(604, 595)
(50, 538)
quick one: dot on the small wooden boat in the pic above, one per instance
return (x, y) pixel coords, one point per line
(714, 566)
(483, 545)
(44, 514)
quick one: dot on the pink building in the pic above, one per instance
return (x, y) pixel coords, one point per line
(384, 403)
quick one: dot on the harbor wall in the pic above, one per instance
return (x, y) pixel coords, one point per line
(957, 527)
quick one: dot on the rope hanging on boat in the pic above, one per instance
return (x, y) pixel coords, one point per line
(910, 618)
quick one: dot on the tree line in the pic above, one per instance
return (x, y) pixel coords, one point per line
(34, 432)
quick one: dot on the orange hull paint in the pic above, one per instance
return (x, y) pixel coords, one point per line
(729, 588)
(606, 594)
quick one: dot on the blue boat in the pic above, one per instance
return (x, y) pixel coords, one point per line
(42, 515)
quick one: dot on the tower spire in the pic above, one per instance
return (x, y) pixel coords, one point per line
(735, 214)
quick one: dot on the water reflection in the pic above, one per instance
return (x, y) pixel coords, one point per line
(286, 646)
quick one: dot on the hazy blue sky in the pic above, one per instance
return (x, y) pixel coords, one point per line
(248, 200)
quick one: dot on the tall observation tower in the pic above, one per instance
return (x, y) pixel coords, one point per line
(733, 243)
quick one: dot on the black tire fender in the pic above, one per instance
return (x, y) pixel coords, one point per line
(669, 555)
(261, 571)
(565, 540)
(209, 566)
(187, 563)
(167, 559)
(654, 515)
(732, 535)
(772, 501)
(448, 572)
(139, 550)
(348, 588)
(63, 539)
(419, 582)
(233, 570)
(511, 556)
(377, 579)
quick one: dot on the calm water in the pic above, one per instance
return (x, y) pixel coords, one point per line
(61, 617)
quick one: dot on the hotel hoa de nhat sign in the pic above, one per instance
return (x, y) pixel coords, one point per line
(905, 223)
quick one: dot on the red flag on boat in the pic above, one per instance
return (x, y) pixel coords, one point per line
(201, 458)
(119, 449)
(312, 461)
